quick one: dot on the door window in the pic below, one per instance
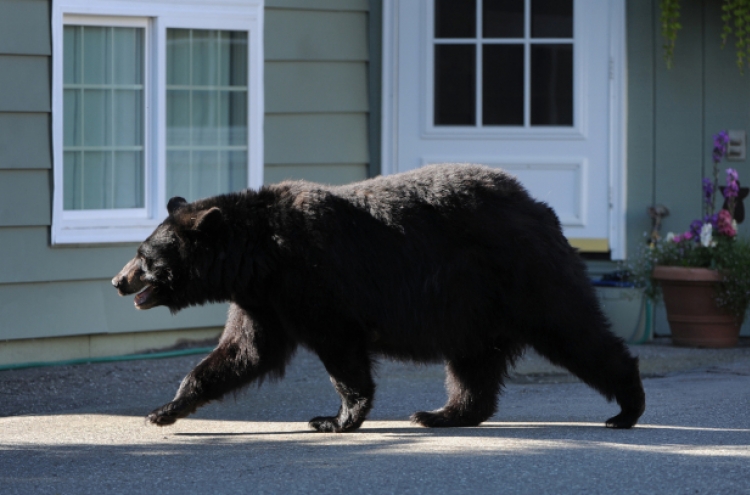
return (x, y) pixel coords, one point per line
(503, 63)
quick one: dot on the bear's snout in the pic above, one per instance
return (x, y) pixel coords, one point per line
(130, 279)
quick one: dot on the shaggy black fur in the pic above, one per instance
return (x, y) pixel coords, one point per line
(455, 263)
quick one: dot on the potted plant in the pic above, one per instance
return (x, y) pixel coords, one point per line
(703, 273)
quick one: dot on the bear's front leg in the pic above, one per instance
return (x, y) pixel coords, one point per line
(247, 351)
(350, 371)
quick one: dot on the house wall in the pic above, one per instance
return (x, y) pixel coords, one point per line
(316, 127)
(673, 113)
(316, 86)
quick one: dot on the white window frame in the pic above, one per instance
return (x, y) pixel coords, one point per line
(70, 227)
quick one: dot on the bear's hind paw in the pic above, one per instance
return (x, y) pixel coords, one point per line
(441, 419)
(622, 421)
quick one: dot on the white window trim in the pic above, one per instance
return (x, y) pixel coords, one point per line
(134, 225)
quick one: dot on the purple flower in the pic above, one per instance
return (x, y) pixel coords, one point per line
(712, 219)
(708, 190)
(733, 188)
(721, 142)
(695, 227)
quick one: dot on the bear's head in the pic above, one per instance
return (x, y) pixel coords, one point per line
(171, 266)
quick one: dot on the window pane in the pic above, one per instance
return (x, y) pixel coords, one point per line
(455, 88)
(551, 18)
(207, 74)
(97, 51)
(455, 18)
(127, 127)
(126, 55)
(502, 85)
(178, 57)
(178, 117)
(103, 116)
(552, 84)
(72, 54)
(128, 171)
(502, 18)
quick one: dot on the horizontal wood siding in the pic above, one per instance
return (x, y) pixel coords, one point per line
(673, 113)
(55, 309)
(22, 143)
(25, 256)
(347, 5)
(316, 87)
(25, 83)
(317, 101)
(24, 27)
(24, 197)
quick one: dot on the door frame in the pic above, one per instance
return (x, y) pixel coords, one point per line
(617, 170)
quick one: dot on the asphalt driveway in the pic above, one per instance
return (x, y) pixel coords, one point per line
(80, 429)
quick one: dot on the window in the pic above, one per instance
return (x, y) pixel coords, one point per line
(503, 63)
(151, 99)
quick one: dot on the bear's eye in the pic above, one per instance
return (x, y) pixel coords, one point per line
(145, 263)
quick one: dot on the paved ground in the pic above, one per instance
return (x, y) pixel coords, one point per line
(80, 429)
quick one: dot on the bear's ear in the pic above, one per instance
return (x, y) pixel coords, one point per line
(209, 221)
(175, 204)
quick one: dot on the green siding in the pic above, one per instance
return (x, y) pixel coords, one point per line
(672, 115)
(316, 138)
(315, 35)
(25, 27)
(326, 174)
(24, 141)
(317, 91)
(315, 87)
(318, 4)
(375, 84)
(679, 125)
(25, 256)
(640, 131)
(55, 309)
(24, 197)
(25, 83)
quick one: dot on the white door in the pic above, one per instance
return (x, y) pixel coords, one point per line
(530, 86)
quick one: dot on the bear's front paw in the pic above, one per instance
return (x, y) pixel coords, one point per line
(442, 418)
(168, 414)
(333, 424)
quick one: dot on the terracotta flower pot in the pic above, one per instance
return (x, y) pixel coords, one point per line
(694, 318)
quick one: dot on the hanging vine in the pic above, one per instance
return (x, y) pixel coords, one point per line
(670, 24)
(736, 17)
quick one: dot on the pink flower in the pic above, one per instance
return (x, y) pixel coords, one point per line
(685, 236)
(724, 224)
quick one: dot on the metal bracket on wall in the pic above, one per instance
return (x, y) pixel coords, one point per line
(737, 146)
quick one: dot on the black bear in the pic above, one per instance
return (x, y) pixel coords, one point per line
(453, 263)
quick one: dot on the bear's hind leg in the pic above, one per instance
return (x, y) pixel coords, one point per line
(601, 360)
(351, 374)
(473, 386)
(247, 352)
